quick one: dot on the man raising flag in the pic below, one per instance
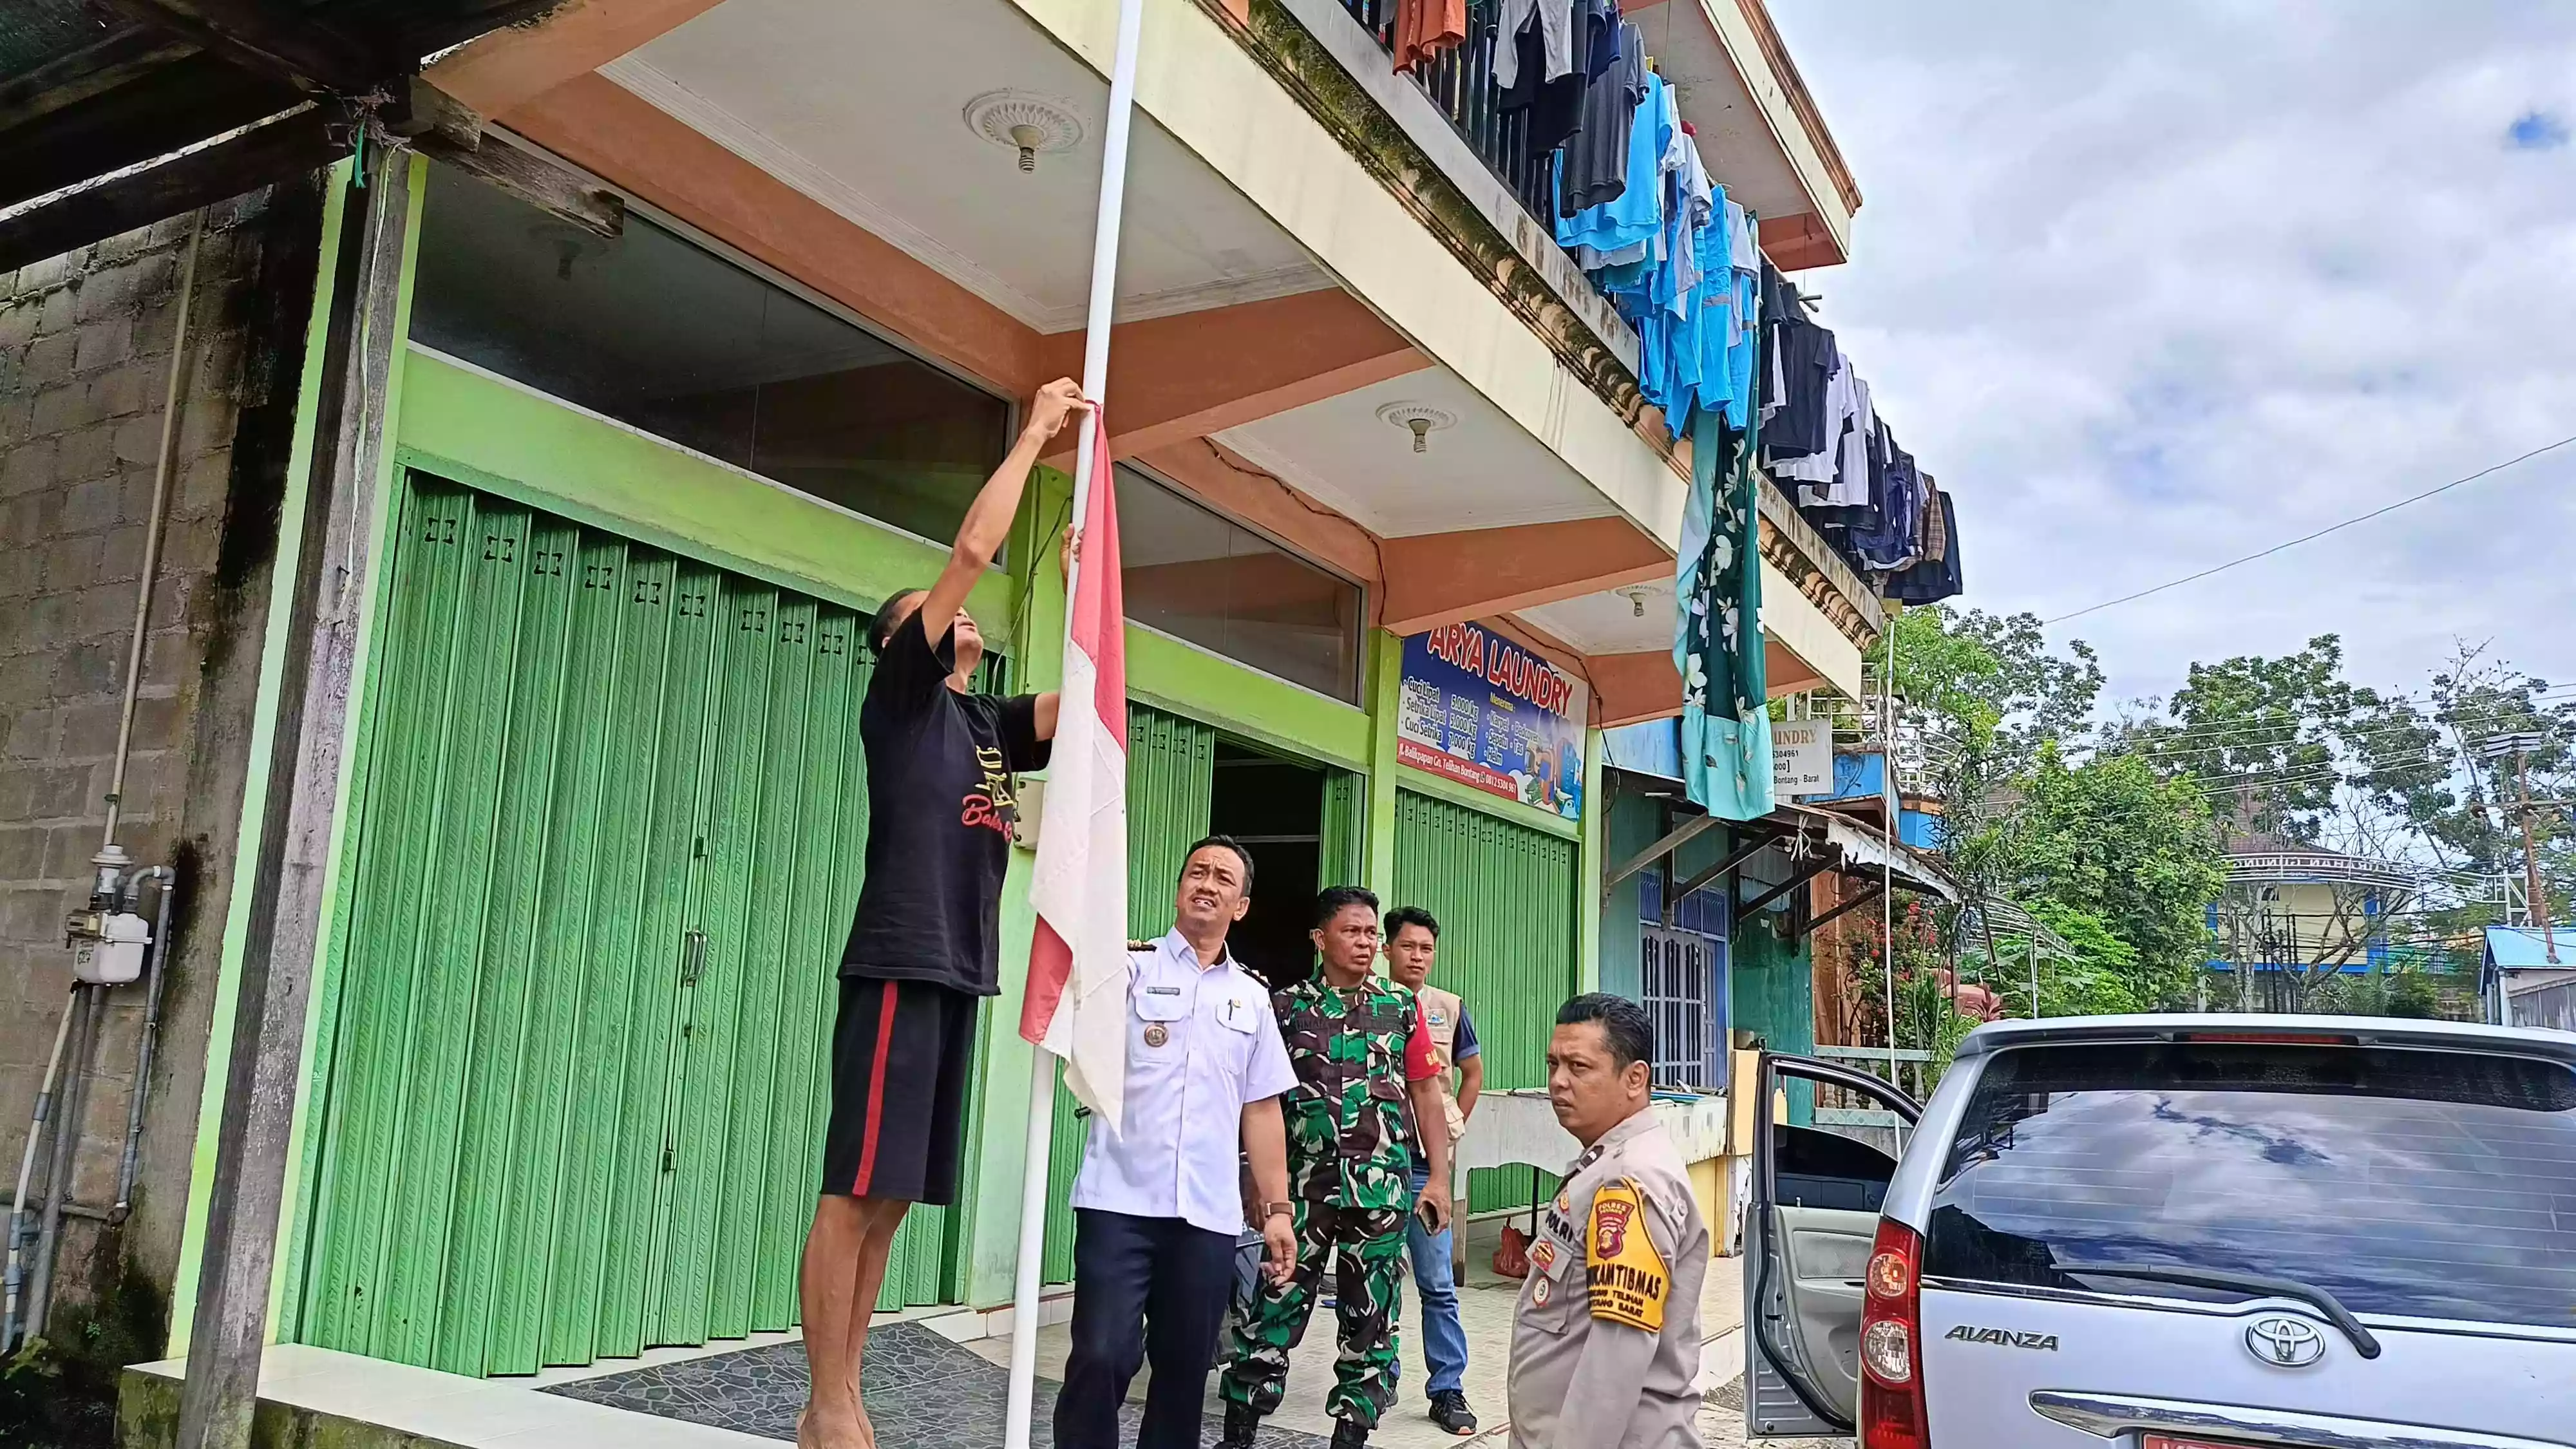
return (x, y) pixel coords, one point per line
(924, 945)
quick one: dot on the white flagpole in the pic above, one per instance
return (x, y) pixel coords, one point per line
(1095, 382)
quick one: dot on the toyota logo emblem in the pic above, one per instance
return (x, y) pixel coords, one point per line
(2285, 1342)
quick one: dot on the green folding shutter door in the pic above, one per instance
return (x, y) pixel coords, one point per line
(1504, 896)
(553, 1130)
(1343, 825)
(1171, 787)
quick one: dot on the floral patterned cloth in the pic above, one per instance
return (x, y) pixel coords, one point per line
(1717, 639)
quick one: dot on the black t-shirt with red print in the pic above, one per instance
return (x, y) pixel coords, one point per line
(939, 819)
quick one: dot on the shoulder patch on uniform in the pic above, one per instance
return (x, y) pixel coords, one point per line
(1626, 1278)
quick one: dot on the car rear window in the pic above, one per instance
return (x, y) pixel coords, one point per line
(2431, 1184)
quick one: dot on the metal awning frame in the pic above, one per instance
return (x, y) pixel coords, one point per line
(1819, 841)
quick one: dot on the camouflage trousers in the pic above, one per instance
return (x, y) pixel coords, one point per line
(1264, 1330)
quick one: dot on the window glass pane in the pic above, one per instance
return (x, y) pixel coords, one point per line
(1290, 618)
(1174, 557)
(1194, 575)
(654, 331)
(2425, 1183)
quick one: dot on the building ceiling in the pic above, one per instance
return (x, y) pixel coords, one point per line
(862, 105)
(1479, 470)
(1608, 623)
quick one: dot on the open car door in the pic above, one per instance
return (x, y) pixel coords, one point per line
(1808, 1235)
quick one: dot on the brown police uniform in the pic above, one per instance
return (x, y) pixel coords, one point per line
(1606, 1337)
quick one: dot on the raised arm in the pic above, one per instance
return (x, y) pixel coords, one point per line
(988, 518)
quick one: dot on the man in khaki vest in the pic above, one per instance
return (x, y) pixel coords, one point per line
(1606, 1336)
(1412, 942)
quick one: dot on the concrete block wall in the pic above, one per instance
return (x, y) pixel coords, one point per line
(85, 355)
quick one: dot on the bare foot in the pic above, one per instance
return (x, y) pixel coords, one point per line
(867, 1428)
(820, 1430)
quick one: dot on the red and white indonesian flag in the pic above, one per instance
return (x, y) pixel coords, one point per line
(1077, 999)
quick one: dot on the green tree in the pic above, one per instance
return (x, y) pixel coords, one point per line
(2274, 742)
(2096, 980)
(2117, 841)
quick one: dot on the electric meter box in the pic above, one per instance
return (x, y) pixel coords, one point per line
(115, 955)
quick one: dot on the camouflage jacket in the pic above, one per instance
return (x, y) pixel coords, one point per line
(1350, 1134)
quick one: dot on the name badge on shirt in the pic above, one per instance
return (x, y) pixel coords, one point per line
(1162, 991)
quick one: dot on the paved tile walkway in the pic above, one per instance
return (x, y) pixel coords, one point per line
(925, 1392)
(1485, 1310)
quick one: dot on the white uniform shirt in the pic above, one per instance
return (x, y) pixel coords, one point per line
(1180, 1153)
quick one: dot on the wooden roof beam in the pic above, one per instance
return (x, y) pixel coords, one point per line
(271, 39)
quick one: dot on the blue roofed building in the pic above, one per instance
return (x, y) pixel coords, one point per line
(2528, 976)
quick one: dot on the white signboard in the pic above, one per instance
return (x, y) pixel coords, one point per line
(1802, 757)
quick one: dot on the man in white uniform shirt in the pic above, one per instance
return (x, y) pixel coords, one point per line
(1159, 1203)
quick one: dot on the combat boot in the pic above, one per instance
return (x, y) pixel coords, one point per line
(1241, 1424)
(1350, 1435)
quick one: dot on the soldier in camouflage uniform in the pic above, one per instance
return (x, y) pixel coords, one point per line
(1365, 1074)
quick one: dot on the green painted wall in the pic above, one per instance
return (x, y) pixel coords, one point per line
(1773, 988)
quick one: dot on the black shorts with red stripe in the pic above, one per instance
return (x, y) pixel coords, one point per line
(901, 1051)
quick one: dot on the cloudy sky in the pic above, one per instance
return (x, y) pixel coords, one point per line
(2152, 285)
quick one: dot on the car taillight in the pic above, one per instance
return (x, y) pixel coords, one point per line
(1891, 1323)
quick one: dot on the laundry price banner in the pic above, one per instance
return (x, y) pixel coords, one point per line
(1485, 712)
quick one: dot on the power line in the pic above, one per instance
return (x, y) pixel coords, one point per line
(2384, 508)
(2220, 740)
(2256, 736)
(2449, 714)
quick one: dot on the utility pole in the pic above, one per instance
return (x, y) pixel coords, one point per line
(2520, 745)
(2531, 854)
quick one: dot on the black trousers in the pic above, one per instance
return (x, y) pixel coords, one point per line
(1142, 1287)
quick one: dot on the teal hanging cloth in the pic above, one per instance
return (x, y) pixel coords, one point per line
(1717, 637)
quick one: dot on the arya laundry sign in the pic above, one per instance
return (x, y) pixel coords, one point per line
(1487, 713)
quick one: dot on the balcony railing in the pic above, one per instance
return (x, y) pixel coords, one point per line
(1461, 84)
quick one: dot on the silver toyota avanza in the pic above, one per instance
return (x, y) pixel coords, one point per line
(2174, 1232)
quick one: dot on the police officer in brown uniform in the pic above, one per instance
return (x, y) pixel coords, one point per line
(1606, 1337)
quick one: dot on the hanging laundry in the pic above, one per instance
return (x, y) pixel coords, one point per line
(1595, 167)
(1552, 95)
(1832, 419)
(1527, 31)
(1883, 539)
(1609, 229)
(1932, 580)
(1425, 30)
(1717, 639)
